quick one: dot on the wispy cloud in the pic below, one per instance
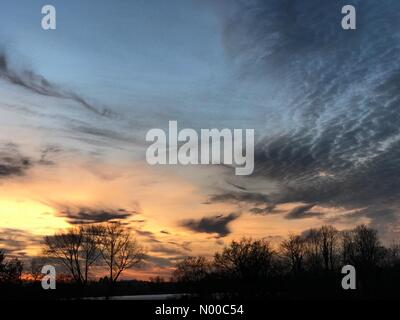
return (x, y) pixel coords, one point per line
(238, 197)
(335, 138)
(12, 163)
(36, 83)
(303, 211)
(16, 241)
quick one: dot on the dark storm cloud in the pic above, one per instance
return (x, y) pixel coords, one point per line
(215, 224)
(81, 215)
(35, 83)
(337, 95)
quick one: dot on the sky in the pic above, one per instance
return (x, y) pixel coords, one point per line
(76, 103)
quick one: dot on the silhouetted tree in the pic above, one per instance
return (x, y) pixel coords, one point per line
(157, 279)
(392, 255)
(192, 269)
(245, 259)
(10, 271)
(36, 266)
(313, 249)
(65, 247)
(294, 250)
(322, 248)
(119, 249)
(90, 251)
(76, 248)
(328, 239)
(362, 248)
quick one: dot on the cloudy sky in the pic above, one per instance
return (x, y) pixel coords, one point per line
(76, 103)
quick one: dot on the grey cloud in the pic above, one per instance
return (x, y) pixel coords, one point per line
(12, 163)
(161, 246)
(107, 135)
(150, 236)
(301, 212)
(35, 83)
(265, 210)
(262, 202)
(46, 153)
(152, 261)
(168, 250)
(82, 215)
(15, 241)
(257, 210)
(334, 99)
(185, 245)
(237, 197)
(237, 186)
(215, 224)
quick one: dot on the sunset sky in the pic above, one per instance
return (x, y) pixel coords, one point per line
(76, 104)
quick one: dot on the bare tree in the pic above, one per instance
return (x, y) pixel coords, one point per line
(119, 249)
(392, 256)
(328, 237)
(65, 248)
(246, 258)
(361, 247)
(322, 248)
(192, 269)
(294, 249)
(313, 252)
(76, 248)
(90, 250)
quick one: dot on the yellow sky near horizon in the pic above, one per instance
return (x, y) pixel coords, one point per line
(161, 198)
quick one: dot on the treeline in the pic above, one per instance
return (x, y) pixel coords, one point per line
(301, 266)
(75, 253)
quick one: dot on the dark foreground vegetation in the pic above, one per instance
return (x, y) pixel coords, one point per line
(306, 266)
(302, 266)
